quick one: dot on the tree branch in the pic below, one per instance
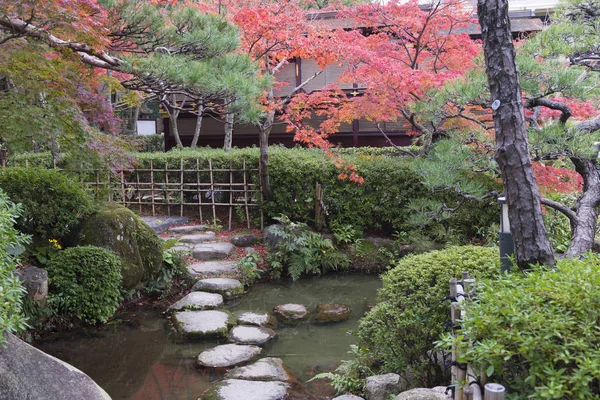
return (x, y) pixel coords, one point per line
(561, 208)
(400, 149)
(554, 105)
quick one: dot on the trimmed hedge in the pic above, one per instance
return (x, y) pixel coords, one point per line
(400, 331)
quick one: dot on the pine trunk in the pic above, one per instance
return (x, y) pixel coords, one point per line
(586, 209)
(512, 149)
(264, 129)
(198, 127)
(175, 129)
(229, 119)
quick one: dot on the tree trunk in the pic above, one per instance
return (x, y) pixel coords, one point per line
(136, 115)
(229, 119)
(198, 126)
(264, 129)
(584, 231)
(512, 149)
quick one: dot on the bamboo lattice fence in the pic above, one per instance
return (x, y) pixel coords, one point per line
(181, 189)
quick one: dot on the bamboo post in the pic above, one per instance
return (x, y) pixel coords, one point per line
(109, 184)
(246, 194)
(181, 177)
(139, 193)
(494, 391)
(54, 163)
(318, 206)
(152, 187)
(26, 163)
(97, 183)
(167, 187)
(198, 192)
(230, 192)
(212, 192)
(123, 198)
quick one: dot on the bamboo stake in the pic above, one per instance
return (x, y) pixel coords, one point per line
(181, 177)
(212, 192)
(152, 188)
(139, 196)
(230, 192)
(198, 193)
(123, 198)
(167, 188)
(246, 195)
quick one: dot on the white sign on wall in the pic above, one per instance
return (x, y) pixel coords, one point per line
(145, 128)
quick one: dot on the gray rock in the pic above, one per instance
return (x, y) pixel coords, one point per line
(203, 324)
(228, 355)
(35, 281)
(182, 247)
(213, 268)
(251, 335)
(244, 240)
(184, 230)
(436, 393)
(332, 313)
(249, 250)
(348, 397)
(256, 319)
(235, 389)
(212, 251)
(28, 373)
(198, 301)
(265, 369)
(379, 387)
(162, 223)
(291, 313)
(198, 238)
(226, 287)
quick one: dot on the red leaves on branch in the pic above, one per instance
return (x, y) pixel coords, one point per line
(557, 180)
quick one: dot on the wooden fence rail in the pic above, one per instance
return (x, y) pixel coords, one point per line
(199, 189)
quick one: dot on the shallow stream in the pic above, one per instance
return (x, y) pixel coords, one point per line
(138, 360)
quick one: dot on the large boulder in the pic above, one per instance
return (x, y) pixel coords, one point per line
(35, 281)
(291, 313)
(122, 231)
(380, 387)
(28, 373)
(436, 393)
(332, 313)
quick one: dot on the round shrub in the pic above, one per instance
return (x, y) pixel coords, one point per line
(52, 202)
(537, 333)
(85, 283)
(401, 330)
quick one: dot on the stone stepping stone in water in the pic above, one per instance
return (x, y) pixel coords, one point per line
(198, 301)
(161, 224)
(332, 313)
(212, 251)
(212, 268)
(203, 324)
(237, 389)
(226, 287)
(184, 230)
(198, 238)
(227, 355)
(257, 319)
(251, 335)
(291, 313)
(265, 369)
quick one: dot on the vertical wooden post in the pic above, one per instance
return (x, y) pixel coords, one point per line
(318, 211)
(109, 185)
(230, 192)
(139, 191)
(181, 192)
(152, 187)
(494, 391)
(246, 195)
(123, 199)
(167, 187)
(54, 163)
(26, 163)
(198, 192)
(212, 192)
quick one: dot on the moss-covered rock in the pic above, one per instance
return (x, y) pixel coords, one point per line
(122, 231)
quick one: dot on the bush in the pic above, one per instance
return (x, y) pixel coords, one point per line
(52, 203)
(537, 333)
(401, 330)
(11, 291)
(85, 282)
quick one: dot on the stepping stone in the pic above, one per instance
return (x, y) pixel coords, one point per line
(213, 268)
(291, 313)
(183, 247)
(251, 335)
(212, 251)
(332, 313)
(198, 238)
(184, 230)
(256, 319)
(244, 240)
(265, 369)
(198, 301)
(348, 397)
(227, 355)
(237, 389)
(161, 224)
(203, 324)
(228, 288)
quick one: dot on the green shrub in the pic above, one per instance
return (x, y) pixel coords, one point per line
(400, 331)
(537, 333)
(52, 203)
(300, 251)
(11, 291)
(85, 282)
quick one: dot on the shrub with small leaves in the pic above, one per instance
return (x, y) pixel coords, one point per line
(537, 332)
(400, 331)
(85, 283)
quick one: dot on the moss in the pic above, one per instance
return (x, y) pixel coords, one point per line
(122, 231)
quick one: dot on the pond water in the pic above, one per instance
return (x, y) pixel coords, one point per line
(138, 360)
